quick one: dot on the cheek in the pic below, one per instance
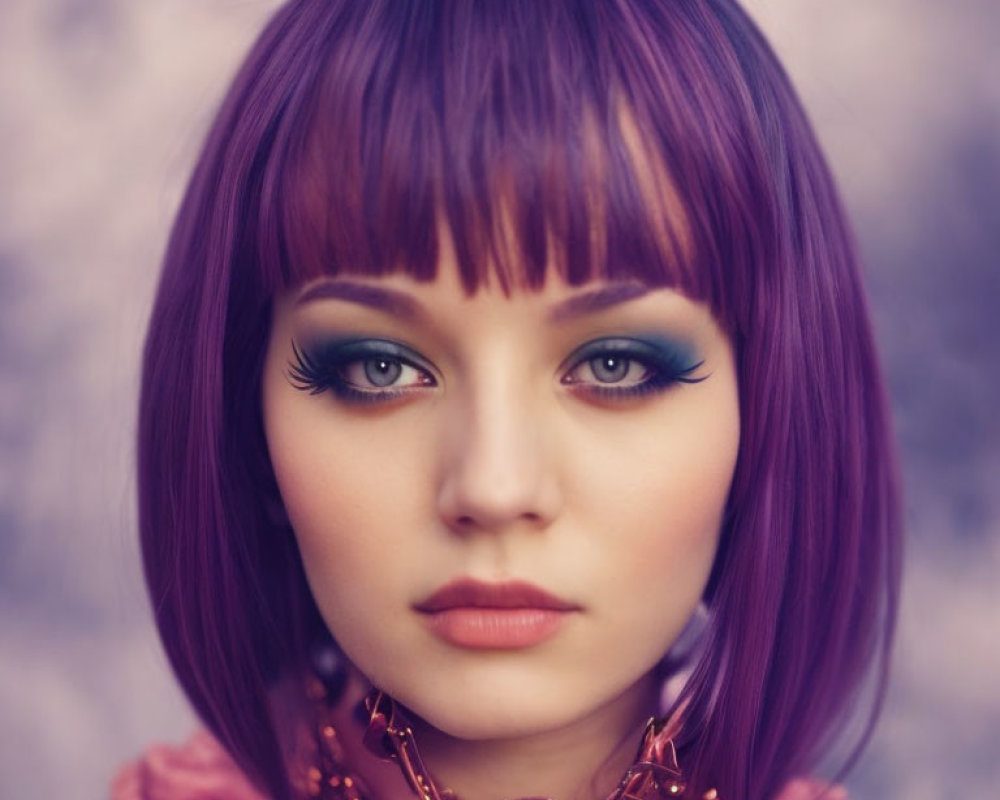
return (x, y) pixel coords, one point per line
(348, 485)
(656, 501)
(680, 500)
(342, 522)
(347, 493)
(669, 474)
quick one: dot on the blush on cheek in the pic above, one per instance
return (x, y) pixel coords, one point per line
(677, 522)
(680, 560)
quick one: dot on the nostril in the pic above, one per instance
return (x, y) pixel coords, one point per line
(497, 473)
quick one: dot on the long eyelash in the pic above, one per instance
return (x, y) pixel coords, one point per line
(317, 375)
(665, 374)
(661, 380)
(305, 374)
(309, 375)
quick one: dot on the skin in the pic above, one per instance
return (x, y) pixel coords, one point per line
(498, 461)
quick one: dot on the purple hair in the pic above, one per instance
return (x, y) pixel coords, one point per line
(616, 138)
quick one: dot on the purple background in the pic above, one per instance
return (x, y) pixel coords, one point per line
(102, 107)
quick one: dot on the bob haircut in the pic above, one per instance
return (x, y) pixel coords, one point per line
(622, 139)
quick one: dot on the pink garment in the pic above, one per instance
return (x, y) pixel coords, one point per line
(200, 769)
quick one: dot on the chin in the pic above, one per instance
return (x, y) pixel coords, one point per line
(491, 719)
(505, 704)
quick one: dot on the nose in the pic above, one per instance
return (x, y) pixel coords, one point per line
(499, 472)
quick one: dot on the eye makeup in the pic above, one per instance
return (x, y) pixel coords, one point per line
(372, 370)
(664, 362)
(358, 370)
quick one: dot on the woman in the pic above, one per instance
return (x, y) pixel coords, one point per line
(501, 344)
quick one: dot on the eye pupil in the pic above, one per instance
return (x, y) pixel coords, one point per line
(609, 369)
(382, 371)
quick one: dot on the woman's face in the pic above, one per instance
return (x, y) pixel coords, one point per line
(507, 507)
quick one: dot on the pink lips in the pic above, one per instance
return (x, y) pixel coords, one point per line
(500, 616)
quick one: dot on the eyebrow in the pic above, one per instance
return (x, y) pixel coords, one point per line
(388, 301)
(596, 300)
(400, 304)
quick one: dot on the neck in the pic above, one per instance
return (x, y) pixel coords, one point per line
(581, 761)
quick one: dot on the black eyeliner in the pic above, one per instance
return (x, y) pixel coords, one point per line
(671, 362)
(318, 366)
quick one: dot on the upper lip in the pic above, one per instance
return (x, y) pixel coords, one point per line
(469, 593)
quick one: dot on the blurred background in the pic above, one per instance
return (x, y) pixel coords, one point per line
(103, 104)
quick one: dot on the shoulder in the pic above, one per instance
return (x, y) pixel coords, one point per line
(199, 769)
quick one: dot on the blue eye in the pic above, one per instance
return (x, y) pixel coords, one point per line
(623, 368)
(358, 370)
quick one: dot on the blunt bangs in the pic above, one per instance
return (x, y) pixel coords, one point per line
(577, 136)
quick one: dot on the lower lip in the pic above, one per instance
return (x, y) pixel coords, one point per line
(496, 628)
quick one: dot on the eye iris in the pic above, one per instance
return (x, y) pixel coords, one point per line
(382, 371)
(609, 369)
